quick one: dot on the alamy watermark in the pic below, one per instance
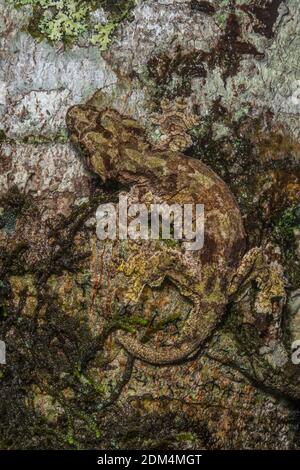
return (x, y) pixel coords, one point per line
(296, 352)
(181, 222)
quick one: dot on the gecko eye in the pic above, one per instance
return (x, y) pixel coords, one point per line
(107, 134)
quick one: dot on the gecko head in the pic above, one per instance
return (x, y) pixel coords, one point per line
(104, 138)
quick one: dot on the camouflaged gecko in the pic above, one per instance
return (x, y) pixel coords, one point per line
(115, 147)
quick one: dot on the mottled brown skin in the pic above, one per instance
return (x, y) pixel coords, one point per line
(115, 147)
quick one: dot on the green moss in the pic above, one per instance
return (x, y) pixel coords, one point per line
(285, 227)
(160, 325)
(285, 235)
(118, 11)
(69, 20)
(221, 19)
(128, 323)
(103, 35)
(35, 139)
(61, 137)
(185, 437)
(64, 20)
(171, 243)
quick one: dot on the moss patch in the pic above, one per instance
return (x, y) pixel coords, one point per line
(69, 20)
(284, 233)
(284, 229)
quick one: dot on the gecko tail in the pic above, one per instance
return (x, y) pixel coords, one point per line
(158, 355)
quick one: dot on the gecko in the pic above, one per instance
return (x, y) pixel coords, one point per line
(116, 148)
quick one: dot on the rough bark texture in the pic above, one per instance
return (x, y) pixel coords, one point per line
(217, 81)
